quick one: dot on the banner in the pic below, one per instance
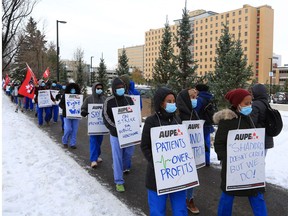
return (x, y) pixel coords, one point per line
(127, 125)
(174, 163)
(44, 98)
(27, 89)
(73, 103)
(95, 120)
(195, 130)
(245, 159)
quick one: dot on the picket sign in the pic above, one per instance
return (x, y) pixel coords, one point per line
(127, 125)
(73, 103)
(245, 159)
(54, 93)
(95, 120)
(173, 158)
(136, 99)
(44, 98)
(195, 130)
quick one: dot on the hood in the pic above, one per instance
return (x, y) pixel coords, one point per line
(159, 97)
(206, 95)
(72, 85)
(132, 86)
(94, 88)
(185, 98)
(117, 81)
(259, 91)
(226, 114)
(125, 78)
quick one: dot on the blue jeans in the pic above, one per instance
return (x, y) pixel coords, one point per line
(121, 159)
(157, 204)
(95, 146)
(189, 194)
(257, 204)
(70, 131)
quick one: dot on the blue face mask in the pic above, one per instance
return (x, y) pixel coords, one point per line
(63, 87)
(99, 91)
(120, 91)
(53, 84)
(170, 107)
(73, 91)
(194, 103)
(42, 84)
(246, 110)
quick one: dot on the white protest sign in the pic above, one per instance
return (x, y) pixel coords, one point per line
(174, 163)
(54, 93)
(73, 103)
(136, 99)
(245, 159)
(95, 120)
(44, 98)
(195, 130)
(127, 125)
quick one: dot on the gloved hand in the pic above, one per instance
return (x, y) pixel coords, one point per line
(84, 113)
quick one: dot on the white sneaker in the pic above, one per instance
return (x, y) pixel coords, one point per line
(99, 160)
(94, 164)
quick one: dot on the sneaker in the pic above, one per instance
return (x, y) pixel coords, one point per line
(99, 160)
(16, 111)
(191, 207)
(73, 147)
(65, 145)
(94, 164)
(126, 171)
(120, 188)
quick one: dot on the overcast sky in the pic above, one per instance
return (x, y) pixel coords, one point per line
(103, 26)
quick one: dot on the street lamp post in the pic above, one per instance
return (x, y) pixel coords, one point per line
(270, 76)
(91, 71)
(57, 41)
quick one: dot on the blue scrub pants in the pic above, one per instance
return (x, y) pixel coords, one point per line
(70, 131)
(121, 159)
(29, 104)
(257, 204)
(157, 204)
(55, 112)
(95, 146)
(40, 114)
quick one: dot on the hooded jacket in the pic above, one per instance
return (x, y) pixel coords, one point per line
(160, 117)
(92, 99)
(184, 106)
(259, 107)
(229, 119)
(114, 101)
(67, 91)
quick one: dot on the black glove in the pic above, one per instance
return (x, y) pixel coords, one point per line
(84, 113)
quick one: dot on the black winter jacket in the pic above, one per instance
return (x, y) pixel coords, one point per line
(160, 117)
(114, 101)
(259, 107)
(228, 119)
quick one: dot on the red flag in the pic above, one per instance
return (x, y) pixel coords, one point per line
(7, 81)
(27, 88)
(46, 74)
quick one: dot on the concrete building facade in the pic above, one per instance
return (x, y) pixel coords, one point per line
(135, 55)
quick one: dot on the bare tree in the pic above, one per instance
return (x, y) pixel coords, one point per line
(14, 13)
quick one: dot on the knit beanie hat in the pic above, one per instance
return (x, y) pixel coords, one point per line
(236, 96)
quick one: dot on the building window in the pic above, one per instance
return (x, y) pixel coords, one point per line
(245, 49)
(246, 18)
(246, 10)
(233, 21)
(239, 20)
(216, 31)
(222, 16)
(233, 28)
(246, 34)
(211, 18)
(216, 24)
(216, 17)
(240, 12)
(211, 45)
(233, 14)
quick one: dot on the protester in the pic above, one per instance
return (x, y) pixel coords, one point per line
(70, 125)
(55, 106)
(165, 108)
(202, 100)
(237, 117)
(97, 97)
(29, 105)
(186, 103)
(58, 99)
(121, 156)
(259, 107)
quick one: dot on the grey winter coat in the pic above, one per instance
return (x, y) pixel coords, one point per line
(260, 98)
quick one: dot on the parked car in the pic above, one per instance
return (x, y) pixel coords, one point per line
(280, 98)
(145, 92)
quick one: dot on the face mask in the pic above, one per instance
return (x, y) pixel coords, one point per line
(246, 110)
(170, 107)
(120, 91)
(53, 84)
(99, 91)
(194, 103)
(42, 84)
(73, 91)
(63, 87)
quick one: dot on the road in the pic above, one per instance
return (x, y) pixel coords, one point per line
(206, 195)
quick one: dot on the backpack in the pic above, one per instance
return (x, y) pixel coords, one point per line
(273, 122)
(209, 110)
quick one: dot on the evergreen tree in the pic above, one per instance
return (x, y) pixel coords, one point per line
(165, 64)
(79, 55)
(185, 75)
(231, 70)
(102, 74)
(51, 60)
(123, 67)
